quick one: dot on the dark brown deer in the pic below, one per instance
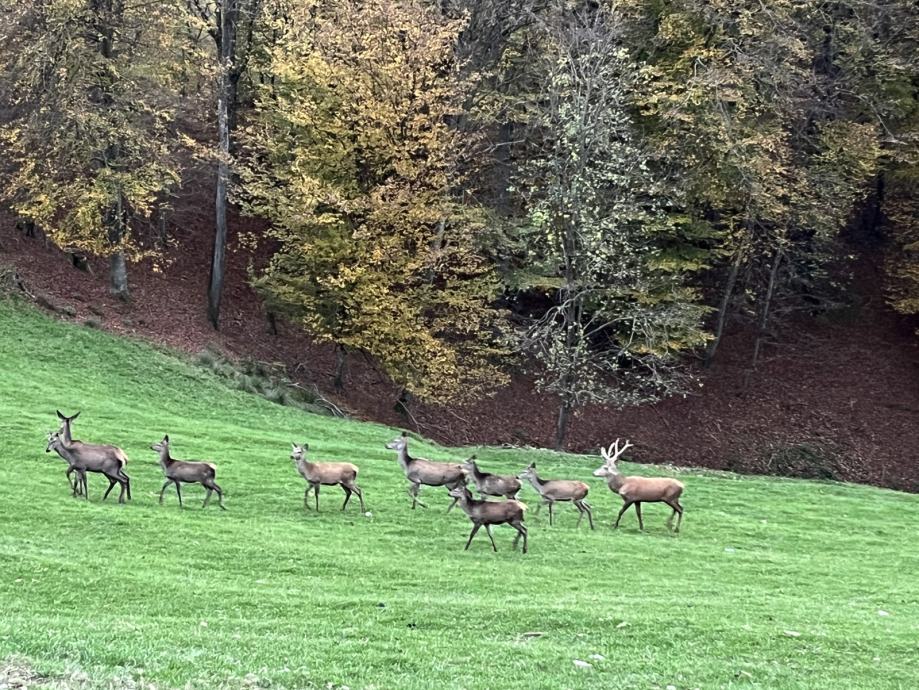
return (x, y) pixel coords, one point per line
(420, 471)
(488, 513)
(83, 458)
(187, 472)
(490, 484)
(560, 490)
(316, 474)
(86, 452)
(638, 490)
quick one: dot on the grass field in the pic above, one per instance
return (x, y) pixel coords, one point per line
(773, 583)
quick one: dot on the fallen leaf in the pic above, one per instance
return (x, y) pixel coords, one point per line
(582, 664)
(792, 633)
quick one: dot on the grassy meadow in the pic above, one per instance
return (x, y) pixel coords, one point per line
(772, 584)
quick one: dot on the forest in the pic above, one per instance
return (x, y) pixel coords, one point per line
(590, 191)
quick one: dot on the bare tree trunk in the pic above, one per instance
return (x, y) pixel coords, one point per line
(767, 304)
(227, 16)
(341, 365)
(561, 424)
(723, 309)
(118, 266)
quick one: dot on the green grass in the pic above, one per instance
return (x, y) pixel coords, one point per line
(773, 583)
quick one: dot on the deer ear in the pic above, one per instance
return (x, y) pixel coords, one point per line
(404, 434)
(75, 416)
(166, 438)
(306, 446)
(60, 416)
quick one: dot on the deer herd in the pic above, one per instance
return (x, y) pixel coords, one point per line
(110, 461)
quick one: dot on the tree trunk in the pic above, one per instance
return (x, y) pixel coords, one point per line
(561, 424)
(341, 366)
(767, 304)
(118, 266)
(226, 86)
(723, 309)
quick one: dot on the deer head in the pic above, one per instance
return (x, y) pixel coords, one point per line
(611, 457)
(399, 443)
(298, 453)
(162, 445)
(529, 473)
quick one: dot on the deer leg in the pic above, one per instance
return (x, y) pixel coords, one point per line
(360, 496)
(677, 511)
(316, 491)
(475, 528)
(85, 484)
(207, 496)
(581, 514)
(521, 532)
(71, 481)
(306, 497)
(163, 490)
(178, 492)
(216, 487)
(538, 508)
(111, 484)
(347, 496)
(413, 492)
(625, 507)
(550, 513)
(590, 514)
(127, 482)
(490, 536)
(641, 525)
(455, 500)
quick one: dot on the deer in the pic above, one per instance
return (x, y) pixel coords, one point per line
(188, 472)
(92, 453)
(316, 474)
(83, 458)
(560, 490)
(638, 490)
(420, 471)
(488, 513)
(490, 484)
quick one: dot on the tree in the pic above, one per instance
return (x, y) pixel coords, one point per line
(619, 314)
(90, 142)
(231, 24)
(352, 157)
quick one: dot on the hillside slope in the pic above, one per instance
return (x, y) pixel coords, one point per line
(842, 394)
(773, 583)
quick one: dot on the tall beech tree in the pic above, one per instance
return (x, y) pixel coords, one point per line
(352, 157)
(90, 146)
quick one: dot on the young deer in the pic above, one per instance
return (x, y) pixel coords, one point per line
(559, 490)
(638, 490)
(83, 458)
(344, 474)
(490, 484)
(93, 454)
(420, 472)
(488, 513)
(188, 472)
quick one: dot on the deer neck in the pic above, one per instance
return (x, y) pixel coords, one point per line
(305, 466)
(165, 459)
(615, 481)
(536, 482)
(404, 458)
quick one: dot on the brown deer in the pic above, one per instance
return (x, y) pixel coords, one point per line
(92, 453)
(488, 513)
(187, 471)
(420, 471)
(344, 474)
(638, 490)
(83, 458)
(490, 484)
(560, 490)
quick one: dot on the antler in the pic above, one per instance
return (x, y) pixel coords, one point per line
(611, 455)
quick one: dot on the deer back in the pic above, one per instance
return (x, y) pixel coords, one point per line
(434, 473)
(328, 472)
(190, 470)
(96, 458)
(564, 490)
(496, 485)
(650, 489)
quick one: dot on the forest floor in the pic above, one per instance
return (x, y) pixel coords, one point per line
(771, 583)
(835, 397)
